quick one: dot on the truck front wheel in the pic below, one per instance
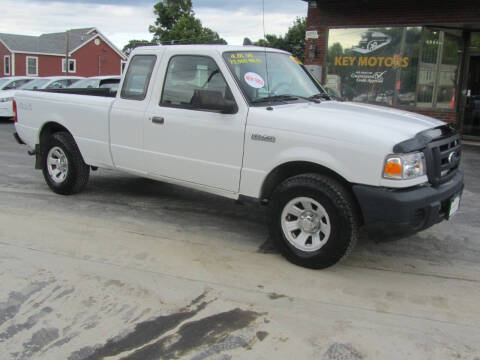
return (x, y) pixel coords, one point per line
(63, 167)
(313, 220)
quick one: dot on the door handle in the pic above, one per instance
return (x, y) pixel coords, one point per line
(158, 120)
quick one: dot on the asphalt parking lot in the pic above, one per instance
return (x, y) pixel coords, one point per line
(137, 269)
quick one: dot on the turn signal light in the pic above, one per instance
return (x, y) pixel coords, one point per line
(393, 168)
(404, 166)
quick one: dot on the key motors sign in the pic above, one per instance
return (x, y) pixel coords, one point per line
(369, 65)
(370, 43)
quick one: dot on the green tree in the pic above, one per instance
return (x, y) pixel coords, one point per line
(132, 44)
(168, 13)
(293, 41)
(295, 38)
(175, 23)
(272, 41)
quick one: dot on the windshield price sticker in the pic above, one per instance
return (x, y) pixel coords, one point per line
(254, 80)
(244, 58)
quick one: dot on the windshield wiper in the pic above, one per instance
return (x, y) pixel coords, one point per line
(274, 98)
(284, 97)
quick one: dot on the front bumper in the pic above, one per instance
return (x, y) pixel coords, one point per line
(407, 210)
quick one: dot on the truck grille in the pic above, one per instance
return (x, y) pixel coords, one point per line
(443, 157)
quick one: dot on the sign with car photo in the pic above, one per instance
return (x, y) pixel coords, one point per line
(374, 65)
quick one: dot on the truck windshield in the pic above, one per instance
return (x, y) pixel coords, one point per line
(286, 78)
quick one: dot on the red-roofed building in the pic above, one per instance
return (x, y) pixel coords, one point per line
(90, 53)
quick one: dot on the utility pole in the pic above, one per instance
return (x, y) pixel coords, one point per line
(67, 50)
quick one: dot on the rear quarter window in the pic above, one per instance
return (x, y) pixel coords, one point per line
(138, 76)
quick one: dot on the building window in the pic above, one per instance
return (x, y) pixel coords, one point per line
(6, 65)
(401, 66)
(32, 66)
(475, 42)
(438, 69)
(72, 65)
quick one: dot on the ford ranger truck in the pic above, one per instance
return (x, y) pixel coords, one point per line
(250, 123)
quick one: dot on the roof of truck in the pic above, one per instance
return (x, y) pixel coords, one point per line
(218, 48)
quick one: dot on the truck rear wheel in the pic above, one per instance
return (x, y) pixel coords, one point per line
(313, 220)
(63, 167)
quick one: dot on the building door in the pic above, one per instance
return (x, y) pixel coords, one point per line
(471, 119)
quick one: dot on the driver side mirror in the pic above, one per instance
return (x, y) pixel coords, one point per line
(213, 100)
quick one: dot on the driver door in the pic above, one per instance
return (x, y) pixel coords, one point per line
(187, 144)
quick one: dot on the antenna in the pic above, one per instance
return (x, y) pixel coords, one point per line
(263, 18)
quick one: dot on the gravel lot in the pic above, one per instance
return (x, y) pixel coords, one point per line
(136, 269)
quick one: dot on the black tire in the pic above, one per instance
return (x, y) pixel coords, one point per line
(340, 208)
(77, 171)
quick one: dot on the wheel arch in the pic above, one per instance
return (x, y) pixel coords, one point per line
(48, 129)
(293, 168)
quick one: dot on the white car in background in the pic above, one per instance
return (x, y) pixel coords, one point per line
(98, 82)
(50, 82)
(7, 85)
(14, 82)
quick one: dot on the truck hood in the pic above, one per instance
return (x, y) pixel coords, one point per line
(349, 121)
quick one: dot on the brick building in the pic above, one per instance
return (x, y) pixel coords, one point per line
(90, 53)
(419, 56)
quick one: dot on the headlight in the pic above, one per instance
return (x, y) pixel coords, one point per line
(404, 166)
(7, 99)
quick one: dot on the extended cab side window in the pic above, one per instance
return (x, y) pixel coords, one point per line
(138, 76)
(186, 75)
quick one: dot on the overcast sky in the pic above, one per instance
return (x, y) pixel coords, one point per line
(122, 20)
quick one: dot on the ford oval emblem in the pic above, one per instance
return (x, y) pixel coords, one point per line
(452, 157)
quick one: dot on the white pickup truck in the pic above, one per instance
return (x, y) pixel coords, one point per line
(251, 123)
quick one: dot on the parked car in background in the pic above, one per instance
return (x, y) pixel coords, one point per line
(407, 98)
(14, 82)
(51, 82)
(7, 85)
(98, 82)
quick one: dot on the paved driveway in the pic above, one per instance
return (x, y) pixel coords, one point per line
(135, 269)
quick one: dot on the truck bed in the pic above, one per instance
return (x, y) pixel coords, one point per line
(86, 117)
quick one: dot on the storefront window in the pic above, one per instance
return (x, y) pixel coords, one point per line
(403, 66)
(377, 65)
(438, 69)
(475, 42)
